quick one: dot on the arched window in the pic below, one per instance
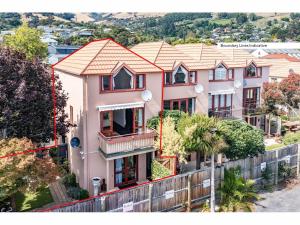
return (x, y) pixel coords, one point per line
(180, 76)
(220, 73)
(251, 71)
(123, 80)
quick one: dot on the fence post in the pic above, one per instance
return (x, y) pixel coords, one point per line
(276, 168)
(150, 196)
(103, 207)
(252, 168)
(189, 200)
(298, 159)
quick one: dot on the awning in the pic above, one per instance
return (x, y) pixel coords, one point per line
(223, 92)
(120, 106)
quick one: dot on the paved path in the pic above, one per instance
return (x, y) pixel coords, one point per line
(285, 200)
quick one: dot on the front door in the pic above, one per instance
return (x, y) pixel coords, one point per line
(126, 171)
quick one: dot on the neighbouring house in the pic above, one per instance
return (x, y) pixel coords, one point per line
(112, 93)
(235, 82)
(282, 65)
(185, 80)
(58, 52)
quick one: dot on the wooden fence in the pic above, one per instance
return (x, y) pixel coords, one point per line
(185, 189)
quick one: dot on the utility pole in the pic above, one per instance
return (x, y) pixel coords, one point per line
(212, 176)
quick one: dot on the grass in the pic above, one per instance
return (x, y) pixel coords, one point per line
(221, 21)
(33, 200)
(271, 147)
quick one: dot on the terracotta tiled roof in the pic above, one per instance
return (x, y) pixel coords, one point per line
(102, 57)
(211, 54)
(281, 56)
(167, 56)
(282, 67)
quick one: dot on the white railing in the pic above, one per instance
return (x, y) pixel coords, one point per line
(125, 143)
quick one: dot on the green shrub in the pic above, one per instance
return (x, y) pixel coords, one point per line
(243, 140)
(174, 114)
(291, 138)
(158, 170)
(284, 171)
(70, 180)
(77, 193)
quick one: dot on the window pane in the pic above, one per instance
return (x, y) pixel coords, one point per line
(140, 81)
(119, 164)
(180, 76)
(257, 95)
(251, 71)
(106, 121)
(220, 74)
(230, 74)
(167, 78)
(222, 100)
(209, 101)
(122, 80)
(175, 105)
(210, 75)
(183, 105)
(216, 101)
(193, 77)
(106, 83)
(191, 105)
(228, 100)
(167, 105)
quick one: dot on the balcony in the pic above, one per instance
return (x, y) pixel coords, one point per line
(224, 114)
(126, 143)
(252, 109)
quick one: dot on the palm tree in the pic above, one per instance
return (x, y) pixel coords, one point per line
(201, 134)
(237, 193)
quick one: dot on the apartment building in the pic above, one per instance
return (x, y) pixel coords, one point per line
(185, 79)
(234, 83)
(112, 93)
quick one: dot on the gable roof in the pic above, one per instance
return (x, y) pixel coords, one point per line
(102, 57)
(166, 56)
(211, 54)
(281, 67)
(281, 56)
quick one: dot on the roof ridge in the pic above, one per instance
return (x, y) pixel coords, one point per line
(108, 40)
(162, 43)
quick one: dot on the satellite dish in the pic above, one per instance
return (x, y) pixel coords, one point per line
(146, 95)
(199, 88)
(237, 84)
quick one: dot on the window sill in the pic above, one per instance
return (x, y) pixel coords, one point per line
(221, 80)
(252, 77)
(120, 91)
(178, 85)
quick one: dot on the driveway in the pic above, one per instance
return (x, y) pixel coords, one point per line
(285, 200)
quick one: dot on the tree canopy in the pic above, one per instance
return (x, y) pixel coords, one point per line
(26, 100)
(24, 172)
(27, 40)
(172, 143)
(243, 140)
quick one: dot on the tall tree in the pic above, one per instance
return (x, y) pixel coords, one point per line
(24, 172)
(272, 98)
(28, 41)
(290, 88)
(172, 143)
(26, 100)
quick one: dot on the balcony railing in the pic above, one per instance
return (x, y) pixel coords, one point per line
(221, 114)
(253, 109)
(126, 143)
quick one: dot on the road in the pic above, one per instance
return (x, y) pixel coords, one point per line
(285, 200)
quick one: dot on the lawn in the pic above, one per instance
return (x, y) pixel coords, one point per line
(221, 21)
(271, 147)
(33, 200)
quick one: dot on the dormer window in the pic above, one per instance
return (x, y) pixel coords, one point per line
(180, 76)
(253, 71)
(122, 80)
(220, 73)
